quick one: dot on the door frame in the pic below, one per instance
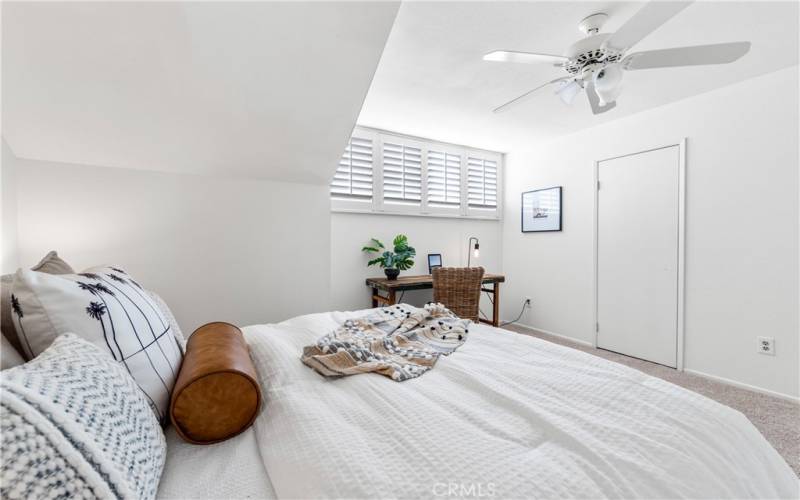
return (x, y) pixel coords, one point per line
(681, 144)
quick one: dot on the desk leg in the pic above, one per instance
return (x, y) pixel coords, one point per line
(496, 306)
(379, 300)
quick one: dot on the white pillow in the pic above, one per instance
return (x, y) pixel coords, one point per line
(76, 425)
(9, 357)
(105, 306)
(167, 312)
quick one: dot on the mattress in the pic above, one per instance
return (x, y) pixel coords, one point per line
(507, 415)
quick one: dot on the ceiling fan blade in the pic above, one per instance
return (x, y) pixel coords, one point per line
(523, 57)
(719, 53)
(568, 91)
(644, 22)
(594, 100)
(526, 95)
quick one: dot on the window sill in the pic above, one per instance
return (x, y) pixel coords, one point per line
(495, 218)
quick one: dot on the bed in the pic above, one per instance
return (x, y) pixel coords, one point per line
(507, 415)
(230, 469)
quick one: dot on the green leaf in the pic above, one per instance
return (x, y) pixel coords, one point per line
(370, 249)
(378, 260)
(400, 242)
(377, 243)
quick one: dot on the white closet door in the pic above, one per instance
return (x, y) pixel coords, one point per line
(637, 255)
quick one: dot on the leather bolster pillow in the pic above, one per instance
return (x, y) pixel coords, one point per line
(216, 395)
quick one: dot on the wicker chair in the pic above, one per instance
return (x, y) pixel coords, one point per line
(459, 289)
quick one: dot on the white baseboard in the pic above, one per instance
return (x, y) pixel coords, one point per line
(554, 334)
(734, 383)
(716, 378)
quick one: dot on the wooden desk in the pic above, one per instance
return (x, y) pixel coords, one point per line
(403, 283)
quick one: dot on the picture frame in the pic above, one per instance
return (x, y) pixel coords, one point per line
(434, 260)
(541, 210)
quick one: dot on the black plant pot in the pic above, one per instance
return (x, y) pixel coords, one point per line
(392, 274)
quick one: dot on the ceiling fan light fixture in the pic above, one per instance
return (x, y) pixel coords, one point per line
(608, 83)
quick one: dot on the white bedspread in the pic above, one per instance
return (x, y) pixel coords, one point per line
(230, 469)
(507, 415)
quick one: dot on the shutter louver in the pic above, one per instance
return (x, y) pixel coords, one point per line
(444, 178)
(402, 174)
(482, 183)
(353, 178)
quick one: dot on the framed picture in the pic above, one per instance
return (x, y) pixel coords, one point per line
(541, 210)
(434, 260)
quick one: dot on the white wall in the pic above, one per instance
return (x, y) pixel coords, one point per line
(246, 251)
(217, 249)
(8, 231)
(248, 89)
(741, 232)
(447, 236)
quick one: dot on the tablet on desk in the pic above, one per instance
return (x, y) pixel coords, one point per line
(434, 260)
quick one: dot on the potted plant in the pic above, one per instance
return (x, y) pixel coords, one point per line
(392, 262)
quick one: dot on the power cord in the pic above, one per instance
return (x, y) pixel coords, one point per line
(524, 305)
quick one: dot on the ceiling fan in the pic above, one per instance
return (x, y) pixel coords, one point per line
(596, 63)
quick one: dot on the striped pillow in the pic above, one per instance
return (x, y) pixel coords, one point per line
(107, 307)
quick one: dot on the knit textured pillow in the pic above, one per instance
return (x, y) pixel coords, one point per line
(76, 425)
(107, 307)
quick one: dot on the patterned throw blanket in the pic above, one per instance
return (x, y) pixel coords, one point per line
(400, 342)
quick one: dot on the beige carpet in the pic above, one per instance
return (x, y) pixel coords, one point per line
(777, 419)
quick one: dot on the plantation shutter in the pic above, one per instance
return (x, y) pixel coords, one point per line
(353, 178)
(482, 183)
(402, 173)
(383, 172)
(444, 178)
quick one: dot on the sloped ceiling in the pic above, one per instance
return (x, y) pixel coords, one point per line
(432, 81)
(254, 89)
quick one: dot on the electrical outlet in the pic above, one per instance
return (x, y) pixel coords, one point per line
(528, 302)
(766, 345)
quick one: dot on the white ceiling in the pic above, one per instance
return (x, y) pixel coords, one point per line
(431, 81)
(248, 89)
